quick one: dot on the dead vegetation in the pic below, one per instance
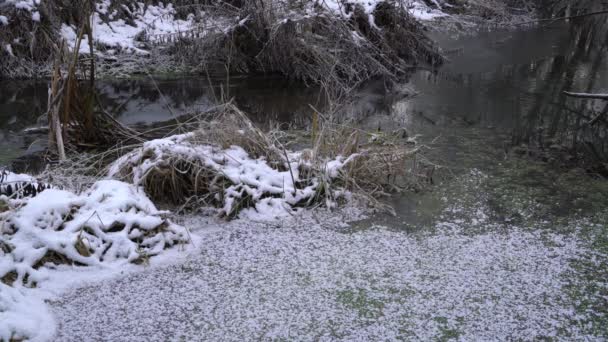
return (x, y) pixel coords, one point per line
(305, 41)
(338, 51)
(230, 164)
(75, 114)
(110, 222)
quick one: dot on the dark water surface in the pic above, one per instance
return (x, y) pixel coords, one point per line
(147, 100)
(504, 82)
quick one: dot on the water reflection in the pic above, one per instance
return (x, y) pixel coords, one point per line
(268, 99)
(514, 82)
(505, 81)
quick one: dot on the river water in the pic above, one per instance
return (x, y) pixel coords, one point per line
(507, 80)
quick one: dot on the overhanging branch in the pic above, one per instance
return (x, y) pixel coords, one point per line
(587, 96)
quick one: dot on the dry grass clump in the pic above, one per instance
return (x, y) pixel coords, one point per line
(308, 42)
(75, 113)
(230, 164)
(228, 126)
(375, 164)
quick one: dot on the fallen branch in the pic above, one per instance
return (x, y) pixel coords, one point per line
(587, 95)
(594, 97)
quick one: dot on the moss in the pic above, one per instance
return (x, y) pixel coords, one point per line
(542, 193)
(360, 301)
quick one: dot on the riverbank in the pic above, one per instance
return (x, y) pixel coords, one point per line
(503, 253)
(183, 37)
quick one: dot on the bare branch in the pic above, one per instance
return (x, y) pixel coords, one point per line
(587, 96)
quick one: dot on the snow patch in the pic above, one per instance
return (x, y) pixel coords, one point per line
(417, 9)
(150, 20)
(303, 280)
(24, 316)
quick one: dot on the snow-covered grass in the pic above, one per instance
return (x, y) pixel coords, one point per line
(112, 222)
(230, 164)
(128, 32)
(110, 225)
(309, 279)
(418, 9)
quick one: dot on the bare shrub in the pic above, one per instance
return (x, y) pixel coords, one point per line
(308, 42)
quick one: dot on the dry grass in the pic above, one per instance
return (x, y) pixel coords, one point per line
(337, 52)
(372, 166)
(75, 113)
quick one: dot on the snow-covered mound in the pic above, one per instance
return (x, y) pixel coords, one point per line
(111, 222)
(230, 178)
(23, 316)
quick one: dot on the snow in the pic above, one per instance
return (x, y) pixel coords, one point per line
(422, 12)
(247, 176)
(7, 177)
(3, 20)
(23, 315)
(9, 49)
(27, 5)
(417, 9)
(36, 16)
(304, 279)
(15, 185)
(150, 20)
(111, 222)
(108, 226)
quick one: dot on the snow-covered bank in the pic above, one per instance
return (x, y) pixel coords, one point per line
(107, 227)
(133, 37)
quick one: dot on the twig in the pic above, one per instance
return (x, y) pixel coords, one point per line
(293, 180)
